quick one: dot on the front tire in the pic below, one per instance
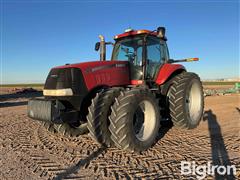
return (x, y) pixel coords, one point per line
(70, 131)
(97, 117)
(135, 120)
(48, 126)
(186, 102)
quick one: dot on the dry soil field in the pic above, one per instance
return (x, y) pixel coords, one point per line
(28, 151)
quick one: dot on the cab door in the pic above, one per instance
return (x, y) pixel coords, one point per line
(156, 56)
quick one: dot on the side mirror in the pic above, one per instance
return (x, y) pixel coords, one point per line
(97, 46)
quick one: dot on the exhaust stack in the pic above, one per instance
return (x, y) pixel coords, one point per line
(102, 48)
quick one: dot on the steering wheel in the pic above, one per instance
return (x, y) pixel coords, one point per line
(131, 56)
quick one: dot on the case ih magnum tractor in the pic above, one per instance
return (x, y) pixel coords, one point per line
(121, 101)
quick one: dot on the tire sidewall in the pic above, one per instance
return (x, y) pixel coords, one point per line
(191, 123)
(137, 99)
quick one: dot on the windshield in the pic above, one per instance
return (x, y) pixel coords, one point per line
(129, 49)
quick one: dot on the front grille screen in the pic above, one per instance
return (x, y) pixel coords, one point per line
(65, 78)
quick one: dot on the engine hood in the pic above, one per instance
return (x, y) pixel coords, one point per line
(93, 65)
(92, 74)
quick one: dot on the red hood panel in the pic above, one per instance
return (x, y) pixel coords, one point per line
(102, 73)
(90, 64)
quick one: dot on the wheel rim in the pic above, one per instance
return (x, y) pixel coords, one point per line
(194, 102)
(144, 120)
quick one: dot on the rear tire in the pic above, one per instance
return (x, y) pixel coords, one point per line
(98, 115)
(135, 120)
(186, 102)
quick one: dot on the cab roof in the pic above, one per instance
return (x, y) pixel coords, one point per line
(133, 33)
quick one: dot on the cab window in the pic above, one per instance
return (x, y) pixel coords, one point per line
(154, 57)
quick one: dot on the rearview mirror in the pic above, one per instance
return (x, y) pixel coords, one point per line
(97, 46)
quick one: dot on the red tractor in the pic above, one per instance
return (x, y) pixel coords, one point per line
(122, 101)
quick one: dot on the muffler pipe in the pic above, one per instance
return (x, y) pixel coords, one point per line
(102, 48)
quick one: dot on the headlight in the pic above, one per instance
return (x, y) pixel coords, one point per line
(58, 92)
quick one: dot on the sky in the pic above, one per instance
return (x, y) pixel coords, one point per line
(38, 35)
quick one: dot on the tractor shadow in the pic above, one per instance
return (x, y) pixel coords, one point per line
(219, 152)
(165, 127)
(75, 168)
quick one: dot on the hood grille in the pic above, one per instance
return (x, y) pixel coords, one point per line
(63, 78)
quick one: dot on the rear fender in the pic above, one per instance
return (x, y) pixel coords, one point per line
(166, 72)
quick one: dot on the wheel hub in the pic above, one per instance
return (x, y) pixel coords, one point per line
(193, 102)
(144, 120)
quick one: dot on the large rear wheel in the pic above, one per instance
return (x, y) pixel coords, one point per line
(186, 100)
(135, 120)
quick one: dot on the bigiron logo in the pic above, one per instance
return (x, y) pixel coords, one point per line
(201, 171)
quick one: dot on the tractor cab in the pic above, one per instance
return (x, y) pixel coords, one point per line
(144, 50)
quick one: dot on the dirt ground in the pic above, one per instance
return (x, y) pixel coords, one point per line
(28, 151)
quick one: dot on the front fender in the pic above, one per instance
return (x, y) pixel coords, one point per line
(166, 71)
